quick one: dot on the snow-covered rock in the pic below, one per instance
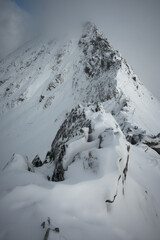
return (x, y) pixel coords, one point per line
(100, 177)
(87, 130)
(37, 161)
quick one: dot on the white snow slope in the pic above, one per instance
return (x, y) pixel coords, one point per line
(110, 191)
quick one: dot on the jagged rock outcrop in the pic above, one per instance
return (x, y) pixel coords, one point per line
(79, 125)
(78, 136)
(72, 127)
(153, 142)
(37, 161)
(100, 64)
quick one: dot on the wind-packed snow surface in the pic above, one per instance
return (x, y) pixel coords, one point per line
(79, 106)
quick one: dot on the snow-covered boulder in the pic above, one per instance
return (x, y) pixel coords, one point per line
(37, 161)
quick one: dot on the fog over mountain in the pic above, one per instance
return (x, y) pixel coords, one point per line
(132, 27)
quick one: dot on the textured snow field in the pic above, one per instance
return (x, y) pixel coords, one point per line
(77, 205)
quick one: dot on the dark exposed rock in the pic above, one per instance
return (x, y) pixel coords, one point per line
(98, 59)
(157, 149)
(48, 178)
(49, 220)
(48, 102)
(43, 225)
(158, 135)
(58, 174)
(47, 234)
(3, 81)
(20, 99)
(87, 71)
(100, 141)
(37, 161)
(49, 157)
(114, 197)
(57, 230)
(51, 86)
(153, 142)
(41, 98)
(98, 53)
(125, 170)
(71, 127)
(135, 135)
(128, 148)
(111, 201)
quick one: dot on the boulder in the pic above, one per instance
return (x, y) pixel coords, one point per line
(37, 161)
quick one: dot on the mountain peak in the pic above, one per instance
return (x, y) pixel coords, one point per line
(91, 30)
(89, 26)
(92, 70)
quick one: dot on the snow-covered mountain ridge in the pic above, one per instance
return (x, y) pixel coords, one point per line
(82, 96)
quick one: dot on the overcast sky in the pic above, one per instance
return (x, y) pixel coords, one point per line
(132, 27)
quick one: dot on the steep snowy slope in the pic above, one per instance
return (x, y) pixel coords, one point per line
(80, 97)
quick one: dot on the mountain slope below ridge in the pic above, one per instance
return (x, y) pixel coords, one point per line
(84, 95)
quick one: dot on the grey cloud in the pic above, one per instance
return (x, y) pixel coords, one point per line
(131, 26)
(14, 23)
